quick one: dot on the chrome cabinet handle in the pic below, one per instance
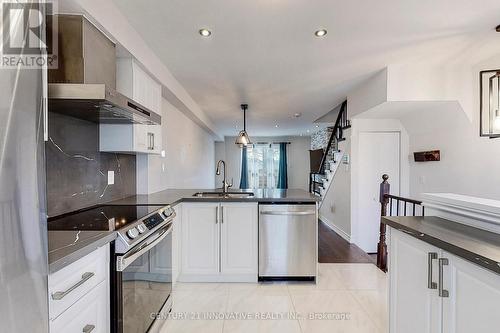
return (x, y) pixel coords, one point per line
(88, 328)
(222, 214)
(216, 214)
(442, 292)
(61, 294)
(150, 141)
(430, 257)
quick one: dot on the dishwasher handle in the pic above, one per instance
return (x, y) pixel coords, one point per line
(297, 213)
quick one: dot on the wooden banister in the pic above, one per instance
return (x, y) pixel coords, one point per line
(385, 189)
(387, 199)
(340, 124)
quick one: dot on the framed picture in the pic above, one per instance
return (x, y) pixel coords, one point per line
(490, 103)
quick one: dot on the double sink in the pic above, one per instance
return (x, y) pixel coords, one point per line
(223, 194)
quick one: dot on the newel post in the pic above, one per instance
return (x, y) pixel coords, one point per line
(385, 188)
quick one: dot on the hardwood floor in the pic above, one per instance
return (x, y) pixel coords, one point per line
(334, 249)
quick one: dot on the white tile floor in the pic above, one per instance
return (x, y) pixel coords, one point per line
(354, 296)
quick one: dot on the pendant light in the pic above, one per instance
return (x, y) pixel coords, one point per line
(243, 140)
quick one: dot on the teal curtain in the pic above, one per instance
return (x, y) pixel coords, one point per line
(282, 172)
(244, 169)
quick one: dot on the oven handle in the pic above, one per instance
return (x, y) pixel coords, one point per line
(124, 261)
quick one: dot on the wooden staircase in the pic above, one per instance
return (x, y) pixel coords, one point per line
(320, 180)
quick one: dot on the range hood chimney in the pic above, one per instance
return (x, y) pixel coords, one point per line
(84, 83)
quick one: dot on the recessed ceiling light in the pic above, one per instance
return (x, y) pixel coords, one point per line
(205, 32)
(276, 125)
(297, 115)
(317, 126)
(320, 33)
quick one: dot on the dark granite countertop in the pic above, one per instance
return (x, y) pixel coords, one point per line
(173, 197)
(475, 245)
(67, 246)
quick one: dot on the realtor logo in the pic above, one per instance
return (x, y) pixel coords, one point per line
(25, 41)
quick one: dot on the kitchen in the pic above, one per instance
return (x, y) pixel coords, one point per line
(125, 208)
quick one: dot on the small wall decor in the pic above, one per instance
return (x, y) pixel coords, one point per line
(490, 103)
(427, 156)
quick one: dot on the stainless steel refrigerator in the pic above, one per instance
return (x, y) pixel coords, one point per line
(23, 223)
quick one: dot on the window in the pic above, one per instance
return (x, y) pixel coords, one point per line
(263, 165)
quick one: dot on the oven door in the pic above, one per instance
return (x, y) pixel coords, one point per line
(144, 282)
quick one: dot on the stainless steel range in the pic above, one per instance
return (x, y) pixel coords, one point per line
(141, 265)
(142, 277)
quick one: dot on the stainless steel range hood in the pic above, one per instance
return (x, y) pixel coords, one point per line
(98, 103)
(83, 84)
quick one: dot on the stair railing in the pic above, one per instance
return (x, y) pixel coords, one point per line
(401, 209)
(341, 123)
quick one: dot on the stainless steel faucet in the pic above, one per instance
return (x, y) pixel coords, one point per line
(225, 184)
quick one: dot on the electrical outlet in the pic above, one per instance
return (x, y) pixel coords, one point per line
(111, 177)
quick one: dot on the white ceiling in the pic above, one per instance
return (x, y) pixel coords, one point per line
(263, 52)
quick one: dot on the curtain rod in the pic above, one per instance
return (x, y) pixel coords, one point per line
(274, 143)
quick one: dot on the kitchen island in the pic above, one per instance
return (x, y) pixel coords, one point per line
(442, 274)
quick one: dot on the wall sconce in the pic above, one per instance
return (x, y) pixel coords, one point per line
(490, 103)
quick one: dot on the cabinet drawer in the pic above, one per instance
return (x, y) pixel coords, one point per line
(71, 283)
(88, 315)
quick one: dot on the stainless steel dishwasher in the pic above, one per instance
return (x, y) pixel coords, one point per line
(288, 241)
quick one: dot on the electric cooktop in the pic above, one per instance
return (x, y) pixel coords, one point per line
(106, 218)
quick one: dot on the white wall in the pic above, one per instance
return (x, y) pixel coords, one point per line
(336, 207)
(189, 155)
(297, 153)
(469, 163)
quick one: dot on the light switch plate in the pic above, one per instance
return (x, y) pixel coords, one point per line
(111, 177)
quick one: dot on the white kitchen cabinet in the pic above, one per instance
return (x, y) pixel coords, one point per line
(79, 295)
(219, 242)
(160, 263)
(88, 315)
(239, 239)
(200, 239)
(135, 83)
(414, 307)
(474, 297)
(469, 298)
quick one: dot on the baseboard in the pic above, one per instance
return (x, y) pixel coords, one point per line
(337, 230)
(241, 278)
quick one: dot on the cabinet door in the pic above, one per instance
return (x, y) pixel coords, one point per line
(154, 138)
(239, 243)
(89, 314)
(140, 138)
(160, 258)
(413, 307)
(200, 238)
(473, 300)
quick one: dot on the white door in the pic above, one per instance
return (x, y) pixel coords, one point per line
(474, 297)
(200, 238)
(379, 153)
(239, 239)
(414, 307)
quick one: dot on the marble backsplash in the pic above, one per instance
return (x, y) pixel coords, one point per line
(77, 173)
